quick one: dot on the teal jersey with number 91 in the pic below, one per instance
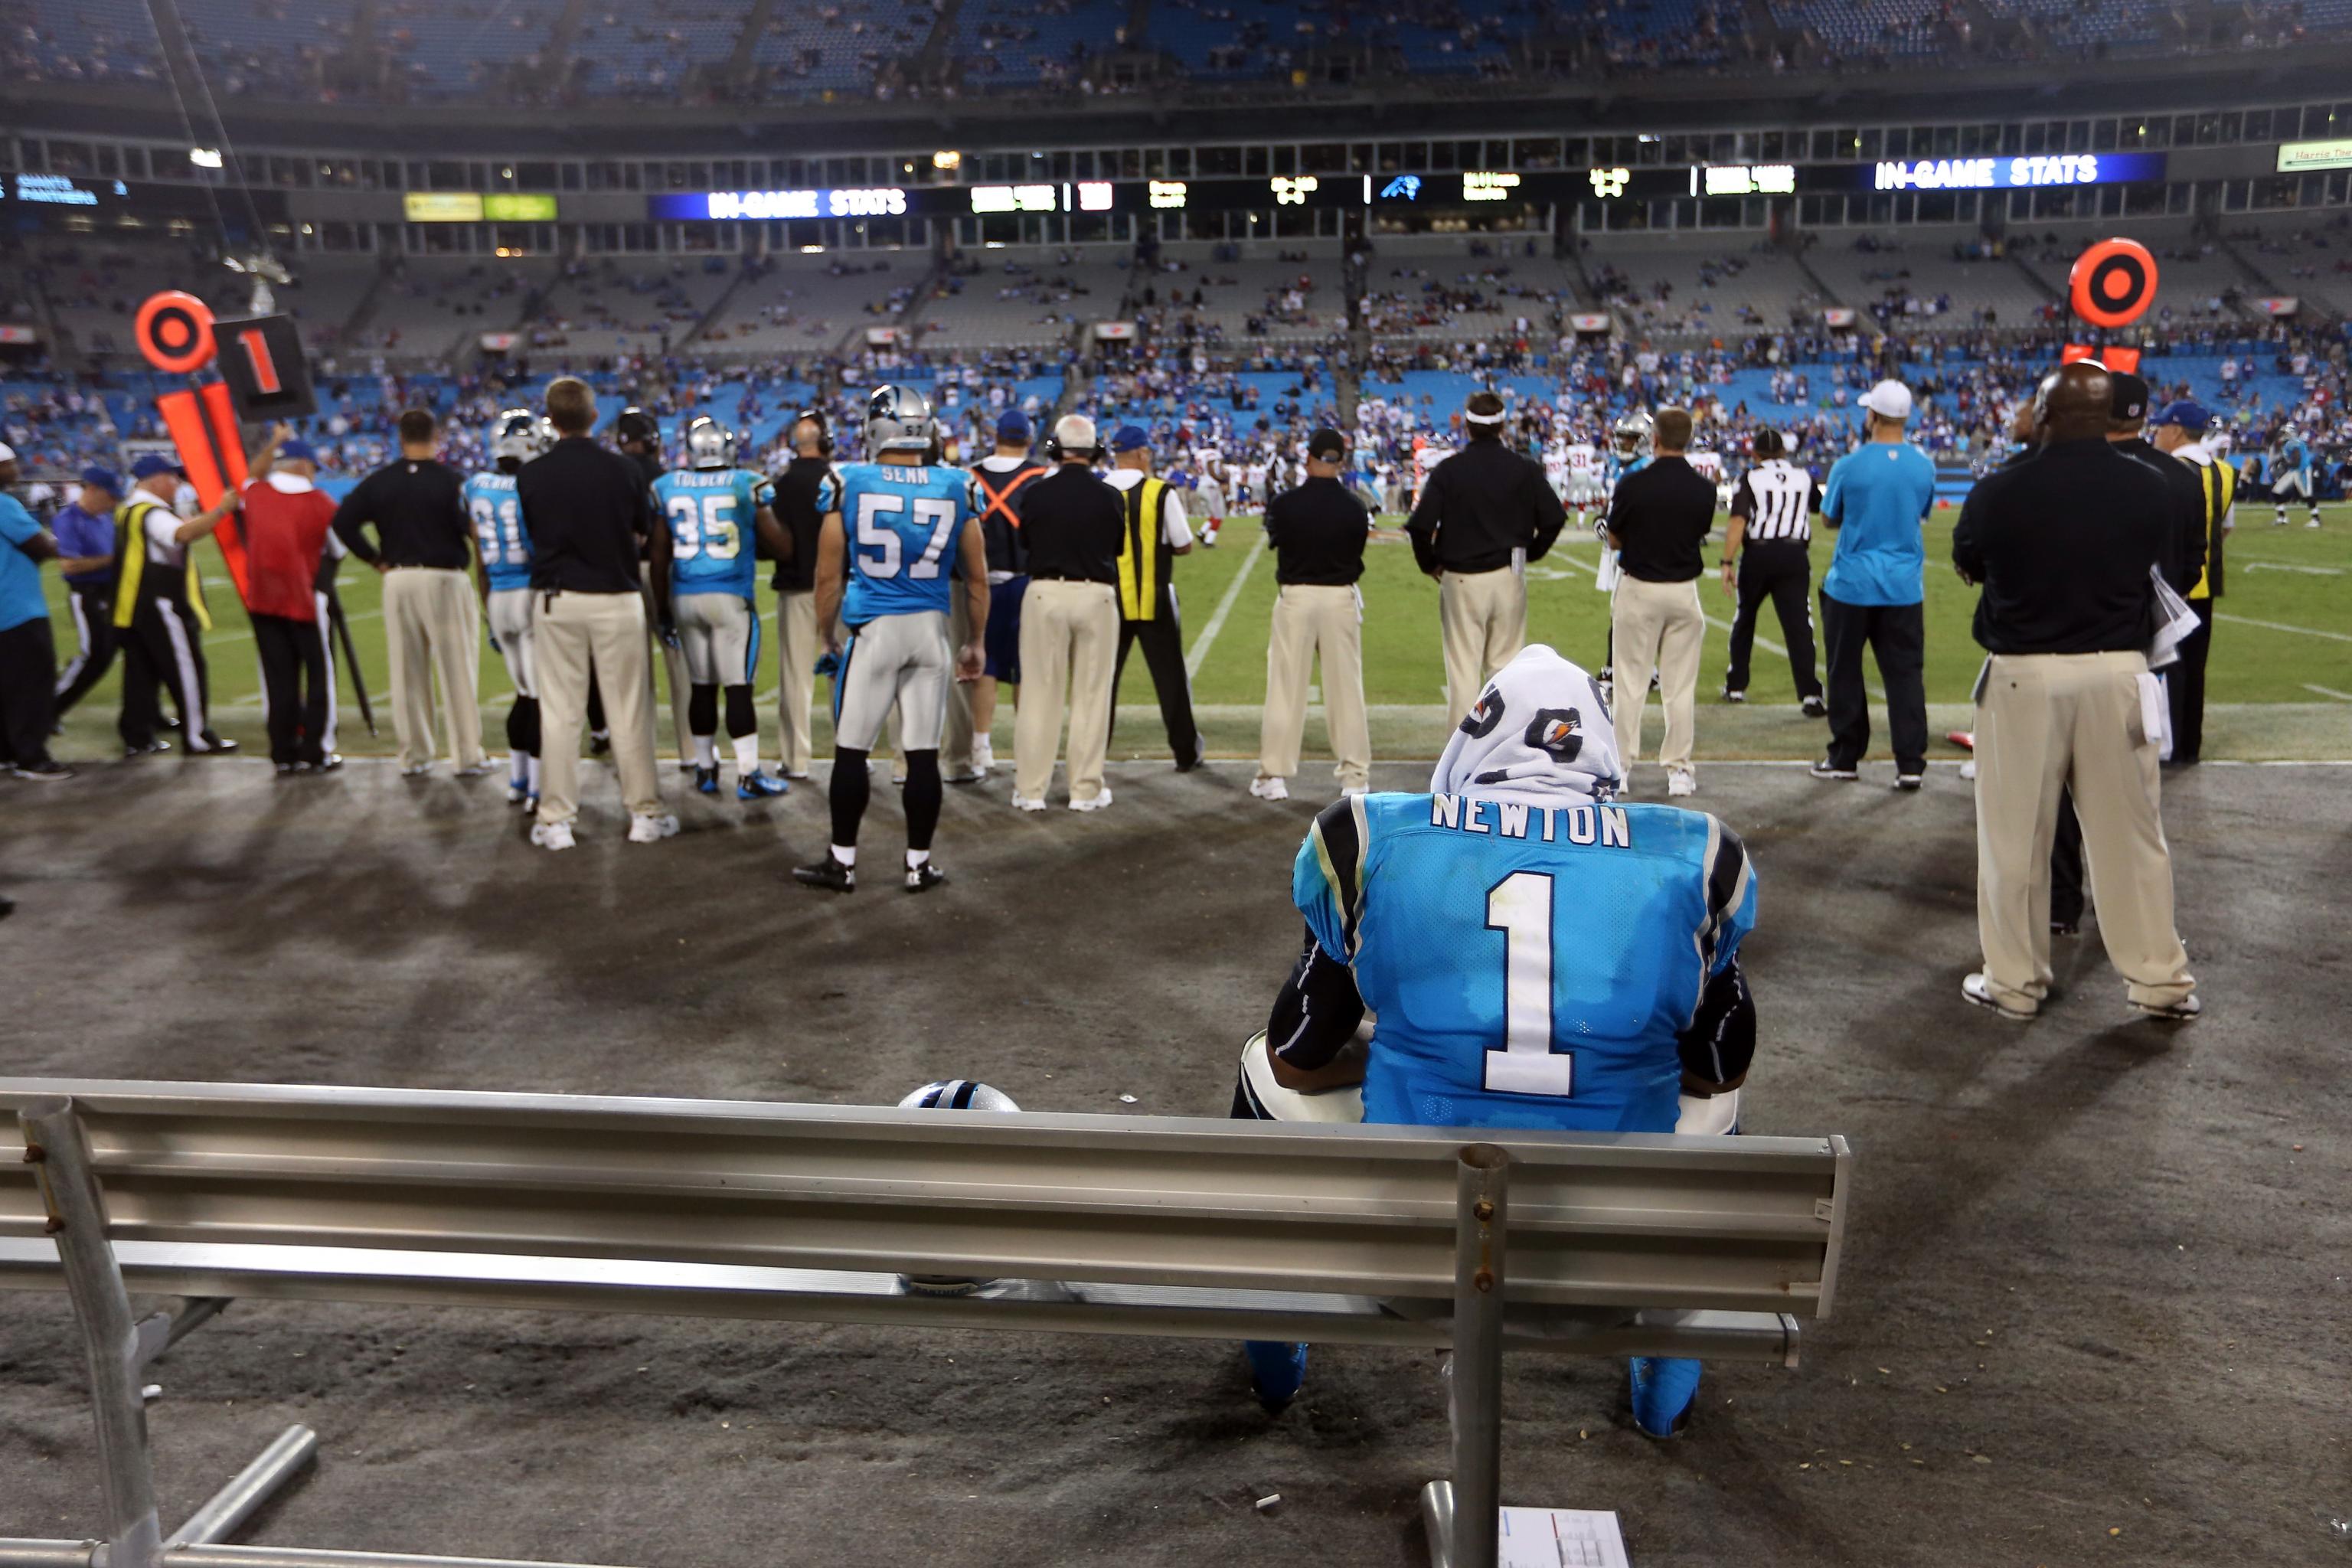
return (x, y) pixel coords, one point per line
(497, 528)
(710, 513)
(901, 525)
(1529, 967)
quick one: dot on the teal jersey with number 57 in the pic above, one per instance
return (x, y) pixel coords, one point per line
(497, 528)
(1529, 967)
(901, 525)
(710, 513)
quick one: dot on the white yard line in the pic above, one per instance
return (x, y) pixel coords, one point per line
(2283, 566)
(2281, 626)
(1208, 638)
(2328, 691)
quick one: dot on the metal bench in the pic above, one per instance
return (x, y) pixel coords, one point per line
(1215, 1229)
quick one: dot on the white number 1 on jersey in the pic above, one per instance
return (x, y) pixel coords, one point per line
(1519, 905)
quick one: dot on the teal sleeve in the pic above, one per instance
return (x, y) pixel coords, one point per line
(1327, 882)
(17, 525)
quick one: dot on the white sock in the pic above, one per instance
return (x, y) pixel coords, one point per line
(915, 858)
(532, 788)
(705, 751)
(747, 754)
(518, 767)
(847, 857)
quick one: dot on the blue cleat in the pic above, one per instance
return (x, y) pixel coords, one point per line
(1277, 1370)
(706, 781)
(760, 785)
(1665, 1391)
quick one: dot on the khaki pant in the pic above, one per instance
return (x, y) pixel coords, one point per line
(1655, 626)
(1482, 617)
(2047, 721)
(1310, 620)
(796, 654)
(432, 628)
(1069, 637)
(606, 632)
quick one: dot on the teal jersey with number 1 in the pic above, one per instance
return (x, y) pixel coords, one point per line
(902, 524)
(710, 513)
(497, 528)
(1529, 967)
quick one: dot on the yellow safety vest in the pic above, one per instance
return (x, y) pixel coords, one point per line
(1142, 563)
(131, 552)
(2221, 482)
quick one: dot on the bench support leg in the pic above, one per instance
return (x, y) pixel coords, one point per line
(1462, 1517)
(59, 1155)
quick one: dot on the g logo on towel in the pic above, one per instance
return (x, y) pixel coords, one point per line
(1482, 719)
(1558, 732)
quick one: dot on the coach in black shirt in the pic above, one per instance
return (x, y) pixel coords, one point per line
(1658, 524)
(432, 618)
(589, 515)
(2065, 544)
(1317, 530)
(797, 639)
(1073, 524)
(1484, 514)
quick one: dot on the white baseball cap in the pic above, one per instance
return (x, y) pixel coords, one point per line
(1888, 400)
(1076, 433)
(8, 453)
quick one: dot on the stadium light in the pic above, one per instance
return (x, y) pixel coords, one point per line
(205, 157)
(947, 160)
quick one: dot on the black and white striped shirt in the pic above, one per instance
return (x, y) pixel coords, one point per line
(1779, 500)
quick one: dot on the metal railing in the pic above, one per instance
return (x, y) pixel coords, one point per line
(1389, 1235)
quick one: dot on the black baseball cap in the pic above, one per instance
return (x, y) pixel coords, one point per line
(1327, 445)
(2127, 402)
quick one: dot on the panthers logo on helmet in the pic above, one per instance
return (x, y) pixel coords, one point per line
(1483, 715)
(1558, 732)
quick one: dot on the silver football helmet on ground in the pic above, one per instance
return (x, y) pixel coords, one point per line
(521, 435)
(708, 444)
(1631, 434)
(899, 419)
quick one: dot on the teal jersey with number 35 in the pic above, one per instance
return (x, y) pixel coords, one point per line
(1529, 967)
(710, 513)
(901, 525)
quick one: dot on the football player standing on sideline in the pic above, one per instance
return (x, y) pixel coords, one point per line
(804, 495)
(715, 575)
(997, 481)
(900, 527)
(1484, 513)
(504, 548)
(28, 659)
(1317, 530)
(1157, 533)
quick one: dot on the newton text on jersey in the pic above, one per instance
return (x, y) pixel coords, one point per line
(1606, 825)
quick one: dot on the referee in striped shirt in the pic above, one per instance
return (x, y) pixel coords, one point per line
(1765, 557)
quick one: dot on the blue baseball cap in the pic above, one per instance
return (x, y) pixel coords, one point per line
(2188, 416)
(296, 450)
(1129, 438)
(153, 463)
(1013, 426)
(106, 479)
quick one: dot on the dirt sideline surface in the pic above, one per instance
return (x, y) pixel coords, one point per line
(2093, 1285)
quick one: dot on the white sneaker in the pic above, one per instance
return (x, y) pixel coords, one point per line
(797, 777)
(1681, 781)
(970, 773)
(644, 828)
(516, 790)
(416, 770)
(983, 754)
(1100, 800)
(551, 835)
(1023, 803)
(475, 771)
(1270, 789)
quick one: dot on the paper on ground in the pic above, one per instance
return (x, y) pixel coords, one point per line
(1562, 1538)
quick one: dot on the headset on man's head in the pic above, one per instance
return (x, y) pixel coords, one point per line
(1056, 452)
(823, 431)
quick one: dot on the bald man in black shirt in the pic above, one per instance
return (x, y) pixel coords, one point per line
(2065, 544)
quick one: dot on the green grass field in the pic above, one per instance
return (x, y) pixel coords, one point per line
(2280, 681)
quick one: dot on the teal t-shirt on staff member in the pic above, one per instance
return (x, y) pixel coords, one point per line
(1877, 495)
(20, 575)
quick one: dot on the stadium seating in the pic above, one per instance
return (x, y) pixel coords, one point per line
(1891, 28)
(269, 48)
(1026, 298)
(801, 304)
(614, 307)
(651, 51)
(1915, 274)
(81, 40)
(1020, 42)
(429, 303)
(451, 48)
(1716, 285)
(836, 47)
